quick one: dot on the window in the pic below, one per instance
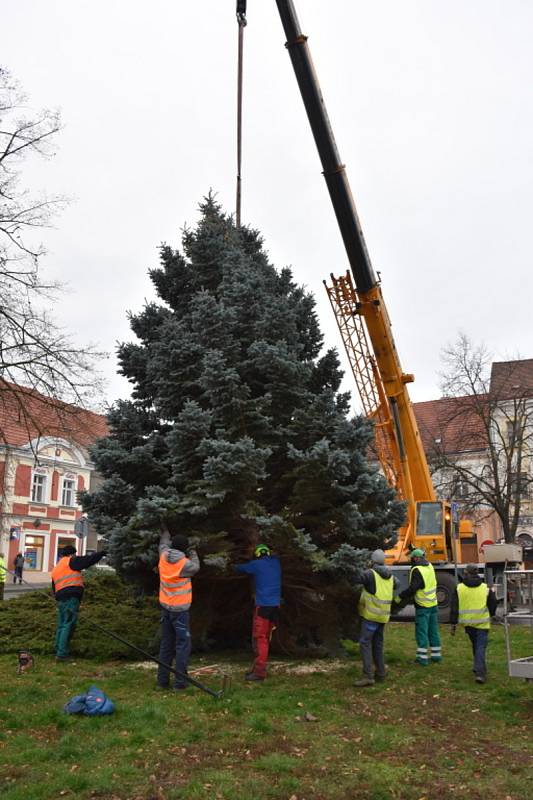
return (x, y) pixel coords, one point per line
(511, 432)
(428, 519)
(34, 552)
(69, 492)
(462, 488)
(61, 542)
(38, 488)
(519, 484)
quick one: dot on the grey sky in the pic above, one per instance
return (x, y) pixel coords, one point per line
(432, 107)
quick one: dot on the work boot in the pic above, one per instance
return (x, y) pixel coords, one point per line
(364, 682)
(62, 658)
(379, 678)
(480, 679)
(421, 663)
(252, 676)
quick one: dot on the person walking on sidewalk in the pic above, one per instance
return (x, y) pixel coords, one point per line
(380, 591)
(266, 571)
(422, 590)
(3, 573)
(18, 564)
(177, 564)
(67, 586)
(473, 604)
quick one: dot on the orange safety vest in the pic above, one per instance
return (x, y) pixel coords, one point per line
(173, 590)
(63, 575)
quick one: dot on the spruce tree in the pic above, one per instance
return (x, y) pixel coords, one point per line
(237, 433)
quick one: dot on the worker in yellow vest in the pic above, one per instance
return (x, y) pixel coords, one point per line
(3, 573)
(473, 604)
(422, 591)
(177, 564)
(379, 592)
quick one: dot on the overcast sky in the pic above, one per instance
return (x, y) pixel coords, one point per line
(432, 107)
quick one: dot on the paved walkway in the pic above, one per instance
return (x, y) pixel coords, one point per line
(12, 590)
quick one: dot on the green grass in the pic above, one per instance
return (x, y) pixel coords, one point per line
(424, 733)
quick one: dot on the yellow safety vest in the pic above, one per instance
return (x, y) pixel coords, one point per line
(426, 597)
(376, 607)
(473, 609)
(2, 571)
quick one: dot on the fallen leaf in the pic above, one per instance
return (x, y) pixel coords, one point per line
(310, 717)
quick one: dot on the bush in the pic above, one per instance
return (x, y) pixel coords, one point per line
(28, 622)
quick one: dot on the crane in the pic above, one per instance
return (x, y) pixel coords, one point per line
(361, 314)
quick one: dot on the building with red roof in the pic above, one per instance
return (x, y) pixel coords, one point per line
(44, 463)
(470, 430)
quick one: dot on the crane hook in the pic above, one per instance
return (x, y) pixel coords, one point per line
(241, 12)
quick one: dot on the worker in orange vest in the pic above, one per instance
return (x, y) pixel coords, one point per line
(177, 564)
(67, 586)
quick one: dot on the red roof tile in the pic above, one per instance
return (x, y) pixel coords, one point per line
(452, 424)
(26, 414)
(512, 380)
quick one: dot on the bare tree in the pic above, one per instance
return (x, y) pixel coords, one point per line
(34, 351)
(482, 445)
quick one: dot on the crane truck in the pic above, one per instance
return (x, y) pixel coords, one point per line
(361, 314)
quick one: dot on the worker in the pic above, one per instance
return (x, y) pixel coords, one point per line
(422, 590)
(67, 586)
(3, 573)
(178, 562)
(473, 604)
(266, 571)
(380, 590)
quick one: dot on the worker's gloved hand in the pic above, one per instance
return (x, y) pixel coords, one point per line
(452, 630)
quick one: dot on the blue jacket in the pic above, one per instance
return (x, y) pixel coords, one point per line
(267, 577)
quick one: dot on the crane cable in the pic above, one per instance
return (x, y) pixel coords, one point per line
(241, 21)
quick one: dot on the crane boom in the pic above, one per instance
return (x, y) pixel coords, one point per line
(370, 347)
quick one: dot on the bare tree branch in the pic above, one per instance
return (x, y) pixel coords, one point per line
(35, 353)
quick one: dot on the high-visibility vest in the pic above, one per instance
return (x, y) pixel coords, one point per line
(173, 590)
(426, 597)
(2, 571)
(376, 607)
(63, 575)
(473, 609)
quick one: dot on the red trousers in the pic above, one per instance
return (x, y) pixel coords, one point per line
(261, 634)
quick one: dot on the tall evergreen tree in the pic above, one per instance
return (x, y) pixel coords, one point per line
(237, 433)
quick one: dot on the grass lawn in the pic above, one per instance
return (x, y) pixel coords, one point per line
(425, 733)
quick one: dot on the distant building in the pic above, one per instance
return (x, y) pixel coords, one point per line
(472, 431)
(44, 463)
